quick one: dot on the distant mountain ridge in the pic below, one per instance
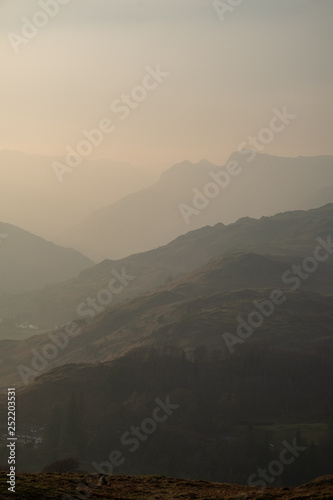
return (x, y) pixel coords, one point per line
(29, 181)
(189, 196)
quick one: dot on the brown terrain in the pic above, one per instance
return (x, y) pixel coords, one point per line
(94, 486)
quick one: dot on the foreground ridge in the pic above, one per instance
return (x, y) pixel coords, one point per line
(96, 486)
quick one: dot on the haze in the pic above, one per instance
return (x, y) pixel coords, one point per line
(166, 249)
(225, 77)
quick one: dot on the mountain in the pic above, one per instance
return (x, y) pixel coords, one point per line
(28, 262)
(30, 181)
(196, 308)
(290, 234)
(237, 354)
(184, 315)
(189, 196)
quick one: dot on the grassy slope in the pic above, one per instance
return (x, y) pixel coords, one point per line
(291, 233)
(54, 486)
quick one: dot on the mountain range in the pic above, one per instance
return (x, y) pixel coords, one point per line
(206, 279)
(53, 203)
(292, 234)
(189, 196)
(228, 328)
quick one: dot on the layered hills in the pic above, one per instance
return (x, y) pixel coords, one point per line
(291, 234)
(190, 196)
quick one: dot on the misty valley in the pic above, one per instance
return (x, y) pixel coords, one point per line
(203, 358)
(166, 250)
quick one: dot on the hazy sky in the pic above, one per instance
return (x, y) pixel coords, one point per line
(224, 77)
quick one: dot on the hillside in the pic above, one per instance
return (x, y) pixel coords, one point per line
(195, 310)
(151, 217)
(291, 233)
(225, 417)
(28, 262)
(51, 486)
(241, 348)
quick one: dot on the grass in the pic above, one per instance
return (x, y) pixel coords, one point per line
(75, 486)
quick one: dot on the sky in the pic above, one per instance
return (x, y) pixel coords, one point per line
(223, 74)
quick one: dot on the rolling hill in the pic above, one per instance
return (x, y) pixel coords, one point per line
(234, 403)
(198, 309)
(28, 262)
(227, 416)
(289, 234)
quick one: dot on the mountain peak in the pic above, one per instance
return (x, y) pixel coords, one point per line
(187, 167)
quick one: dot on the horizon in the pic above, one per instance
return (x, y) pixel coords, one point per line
(178, 162)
